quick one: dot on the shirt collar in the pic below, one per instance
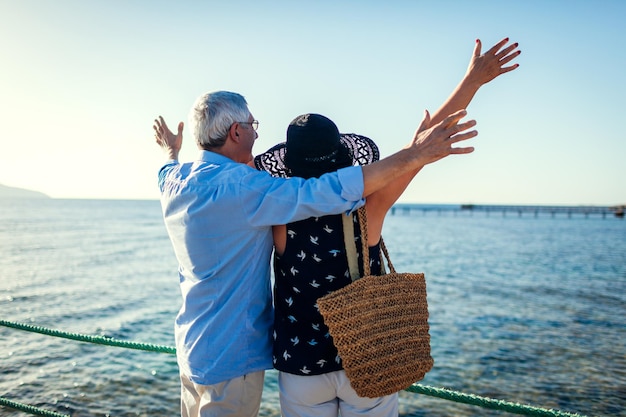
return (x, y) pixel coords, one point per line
(212, 157)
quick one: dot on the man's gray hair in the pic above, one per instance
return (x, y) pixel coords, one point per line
(213, 114)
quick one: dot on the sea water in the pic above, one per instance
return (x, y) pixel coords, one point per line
(528, 309)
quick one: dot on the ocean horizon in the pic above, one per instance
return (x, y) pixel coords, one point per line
(10, 192)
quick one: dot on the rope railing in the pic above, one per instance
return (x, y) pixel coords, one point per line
(484, 402)
(101, 340)
(36, 411)
(446, 394)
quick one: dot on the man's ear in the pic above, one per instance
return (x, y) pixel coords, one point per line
(232, 132)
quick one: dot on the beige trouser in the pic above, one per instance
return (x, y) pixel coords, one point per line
(237, 397)
(327, 395)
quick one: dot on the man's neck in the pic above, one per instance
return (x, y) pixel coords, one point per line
(227, 153)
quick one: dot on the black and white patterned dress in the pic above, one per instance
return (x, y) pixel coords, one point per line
(314, 264)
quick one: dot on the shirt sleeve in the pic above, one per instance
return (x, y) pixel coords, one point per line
(351, 180)
(165, 169)
(270, 201)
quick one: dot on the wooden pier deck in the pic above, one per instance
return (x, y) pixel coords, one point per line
(504, 210)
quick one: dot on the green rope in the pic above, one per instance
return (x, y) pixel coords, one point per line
(101, 340)
(442, 393)
(490, 403)
(30, 409)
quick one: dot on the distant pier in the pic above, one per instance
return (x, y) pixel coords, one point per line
(504, 210)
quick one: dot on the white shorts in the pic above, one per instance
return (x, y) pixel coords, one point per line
(328, 394)
(239, 397)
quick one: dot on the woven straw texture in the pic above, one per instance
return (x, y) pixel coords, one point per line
(379, 325)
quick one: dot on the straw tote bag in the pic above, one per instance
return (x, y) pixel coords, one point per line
(379, 323)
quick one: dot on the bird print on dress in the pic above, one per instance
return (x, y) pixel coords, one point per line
(313, 264)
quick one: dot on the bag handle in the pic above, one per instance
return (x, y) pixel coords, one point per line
(348, 235)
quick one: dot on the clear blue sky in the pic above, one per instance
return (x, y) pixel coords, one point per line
(82, 81)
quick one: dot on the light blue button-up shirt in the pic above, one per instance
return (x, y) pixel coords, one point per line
(218, 214)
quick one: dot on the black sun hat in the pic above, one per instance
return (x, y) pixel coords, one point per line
(314, 147)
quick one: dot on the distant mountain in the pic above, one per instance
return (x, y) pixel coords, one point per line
(12, 192)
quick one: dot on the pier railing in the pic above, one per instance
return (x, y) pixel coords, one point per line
(442, 393)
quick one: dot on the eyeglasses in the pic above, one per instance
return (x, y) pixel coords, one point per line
(254, 124)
